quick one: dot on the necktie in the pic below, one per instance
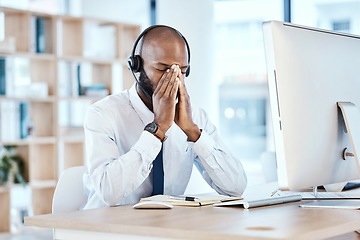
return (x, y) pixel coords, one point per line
(158, 175)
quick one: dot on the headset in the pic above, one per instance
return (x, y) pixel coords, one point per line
(135, 61)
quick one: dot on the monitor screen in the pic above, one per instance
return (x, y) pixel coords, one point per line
(310, 70)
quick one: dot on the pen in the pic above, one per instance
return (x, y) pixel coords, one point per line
(185, 198)
(274, 192)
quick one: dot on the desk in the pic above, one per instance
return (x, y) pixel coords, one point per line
(286, 221)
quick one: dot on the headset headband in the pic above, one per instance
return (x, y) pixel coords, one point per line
(135, 61)
(157, 26)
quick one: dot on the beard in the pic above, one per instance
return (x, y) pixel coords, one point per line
(145, 84)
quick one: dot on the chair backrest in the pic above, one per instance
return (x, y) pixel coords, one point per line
(69, 192)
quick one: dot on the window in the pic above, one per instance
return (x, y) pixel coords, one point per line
(337, 15)
(341, 26)
(241, 76)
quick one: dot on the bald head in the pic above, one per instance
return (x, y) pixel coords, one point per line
(162, 34)
(163, 40)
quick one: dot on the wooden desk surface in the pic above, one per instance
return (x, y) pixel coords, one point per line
(286, 221)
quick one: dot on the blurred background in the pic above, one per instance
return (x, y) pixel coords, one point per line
(228, 78)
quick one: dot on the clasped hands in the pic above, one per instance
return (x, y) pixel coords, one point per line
(171, 103)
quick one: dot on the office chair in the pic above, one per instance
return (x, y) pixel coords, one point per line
(69, 192)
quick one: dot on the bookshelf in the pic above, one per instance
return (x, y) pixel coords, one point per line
(52, 68)
(5, 209)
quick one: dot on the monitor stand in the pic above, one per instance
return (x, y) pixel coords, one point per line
(351, 117)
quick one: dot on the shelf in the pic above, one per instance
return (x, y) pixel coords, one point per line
(42, 161)
(5, 209)
(90, 59)
(80, 98)
(51, 62)
(20, 142)
(41, 200)
(44, 56)
(72, 139)
(30, 140)
(4, 190)
(72, 37)
(69, 18)
(50, 99)
(73, 154)
(42, 140)
(17, 25)
(13, 10)
(127, 34)
(43, 184)
(17, 10)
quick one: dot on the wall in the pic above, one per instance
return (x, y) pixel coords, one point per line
(194, 19)
(137, 12)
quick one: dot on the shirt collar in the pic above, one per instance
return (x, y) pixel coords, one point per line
(140, 108)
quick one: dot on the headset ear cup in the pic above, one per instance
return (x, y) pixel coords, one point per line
(137, 63)
(134, 63)
(130, 63)
(187, 73)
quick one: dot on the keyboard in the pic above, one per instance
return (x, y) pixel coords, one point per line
(353, 194)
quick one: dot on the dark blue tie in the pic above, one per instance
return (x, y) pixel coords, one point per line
(158, 175)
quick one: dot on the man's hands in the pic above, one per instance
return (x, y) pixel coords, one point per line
(183, 114)
(164, 98)
(166, 110)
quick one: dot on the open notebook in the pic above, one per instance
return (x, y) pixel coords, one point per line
(191, 201)
(221, 201)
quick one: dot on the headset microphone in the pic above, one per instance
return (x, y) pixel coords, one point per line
(139, 83)
(135, 61)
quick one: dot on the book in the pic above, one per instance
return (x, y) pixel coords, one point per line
(24, 119)
(65, 77)
(3, 120)
(10, 120)
(260, 202)
(20, 79)
(81, 76)
(2, 76)
(78, 78)
(33, 34)
(74, 79)
(95, 90)
(190, 201)
(40, 34)
(9, 76)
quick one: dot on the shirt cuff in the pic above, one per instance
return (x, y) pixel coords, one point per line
(204, 146)
(148, 145)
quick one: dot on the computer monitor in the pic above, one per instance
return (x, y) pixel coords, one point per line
(310, 71)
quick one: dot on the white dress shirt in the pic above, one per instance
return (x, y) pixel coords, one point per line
(119, 154)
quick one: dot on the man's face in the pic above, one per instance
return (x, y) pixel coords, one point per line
(157, 58)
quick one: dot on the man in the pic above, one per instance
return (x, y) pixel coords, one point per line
(151, 132)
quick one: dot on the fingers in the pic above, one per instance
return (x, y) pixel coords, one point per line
(168, 83)
(160, 84)
(172, 85)
(182, 89)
